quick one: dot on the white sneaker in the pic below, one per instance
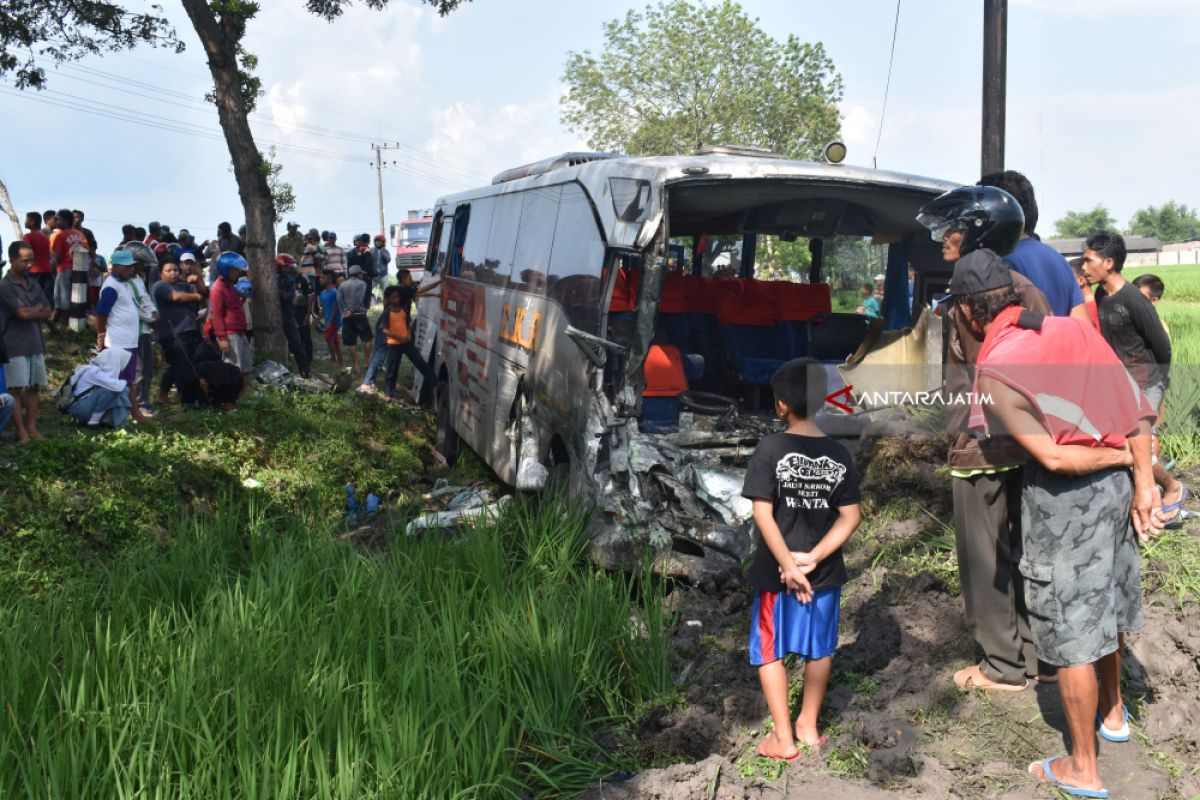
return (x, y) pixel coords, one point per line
(368, 388)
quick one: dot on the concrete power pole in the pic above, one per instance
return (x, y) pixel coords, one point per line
(378, 149)
(995, 68)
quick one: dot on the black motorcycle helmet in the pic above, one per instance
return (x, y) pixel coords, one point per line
(988, 217)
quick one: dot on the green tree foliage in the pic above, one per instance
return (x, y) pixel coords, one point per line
(1170, 222)
(776, 259)
(67, 30)
(681, 75)
(283, 194)
(1081, 224)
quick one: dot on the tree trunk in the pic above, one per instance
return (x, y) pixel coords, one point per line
(6, 203)
(221, 49)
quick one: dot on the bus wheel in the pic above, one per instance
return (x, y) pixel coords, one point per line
(446, 439)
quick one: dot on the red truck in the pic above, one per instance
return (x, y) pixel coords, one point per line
(410, 239)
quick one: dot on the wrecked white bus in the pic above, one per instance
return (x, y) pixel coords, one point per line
(557, 278)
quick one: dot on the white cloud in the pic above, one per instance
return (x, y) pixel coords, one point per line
(490, 139)
(859, 128)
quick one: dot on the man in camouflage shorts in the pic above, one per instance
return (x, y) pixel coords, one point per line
(1056, 387)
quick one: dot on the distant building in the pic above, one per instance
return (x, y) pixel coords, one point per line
(1133, 244)
(1143, 251)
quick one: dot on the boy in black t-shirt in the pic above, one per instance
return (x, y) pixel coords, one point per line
(806, 499)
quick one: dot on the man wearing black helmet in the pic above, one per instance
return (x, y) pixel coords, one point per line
(986, 472)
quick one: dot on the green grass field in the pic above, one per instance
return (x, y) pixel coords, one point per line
(255, 656)
(1180, 310)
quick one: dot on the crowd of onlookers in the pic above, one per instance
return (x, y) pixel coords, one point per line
(190, 298)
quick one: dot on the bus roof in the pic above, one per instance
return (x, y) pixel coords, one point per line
(708, 170)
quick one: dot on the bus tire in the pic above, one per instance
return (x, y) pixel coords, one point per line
(558, 465)
(427, 397)
(446, 438)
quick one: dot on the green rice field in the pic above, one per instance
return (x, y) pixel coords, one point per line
(1180, 310)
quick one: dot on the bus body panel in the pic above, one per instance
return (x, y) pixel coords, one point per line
(520, 322)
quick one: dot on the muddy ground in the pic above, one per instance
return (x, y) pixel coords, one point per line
(896, 724)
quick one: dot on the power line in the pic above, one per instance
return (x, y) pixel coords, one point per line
(107, 110)
(888, 86)
(78, 104)
(445, 164)
(200, 105)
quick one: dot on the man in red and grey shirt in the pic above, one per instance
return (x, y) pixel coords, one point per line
(63, 243)
(227, 316)
(41, 271)
(1055, 386)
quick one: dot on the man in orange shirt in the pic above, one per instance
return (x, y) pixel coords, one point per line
(395, 327)
(63, 244)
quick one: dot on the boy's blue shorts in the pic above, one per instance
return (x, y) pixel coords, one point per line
(781, 624)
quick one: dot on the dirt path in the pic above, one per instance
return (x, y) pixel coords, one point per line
(897, 725)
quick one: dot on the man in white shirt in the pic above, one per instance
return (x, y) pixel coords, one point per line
(118, 323)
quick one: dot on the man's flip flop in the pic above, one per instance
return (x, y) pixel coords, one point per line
(966, 679)
(1176, 522)
(1167, 508)
(792, 760)
(1120, 734)
(1064, 787)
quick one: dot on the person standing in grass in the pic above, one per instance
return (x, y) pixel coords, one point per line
(395, 324)
(63, 244)
(1055, 386)
(332, 316)
(1130, 325)
(23, 307)
(41, 271)
(118, 323)
(352, 303)
(178, 302)
(1153, 288)
(806, 497)
(986, 471)
(1089, 299)
(228, 317)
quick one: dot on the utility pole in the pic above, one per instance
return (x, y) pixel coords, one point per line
(995, 68)
(378, 149)
(379, 182)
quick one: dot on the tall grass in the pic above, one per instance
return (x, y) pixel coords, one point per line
(255, 658)
(1180, 310)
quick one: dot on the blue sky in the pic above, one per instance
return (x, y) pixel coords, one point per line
(1104, 105)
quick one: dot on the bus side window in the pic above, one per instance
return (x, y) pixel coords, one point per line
(531, 261)
(462, 219)
(437, 264)
(474, 251)
(577, 260)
